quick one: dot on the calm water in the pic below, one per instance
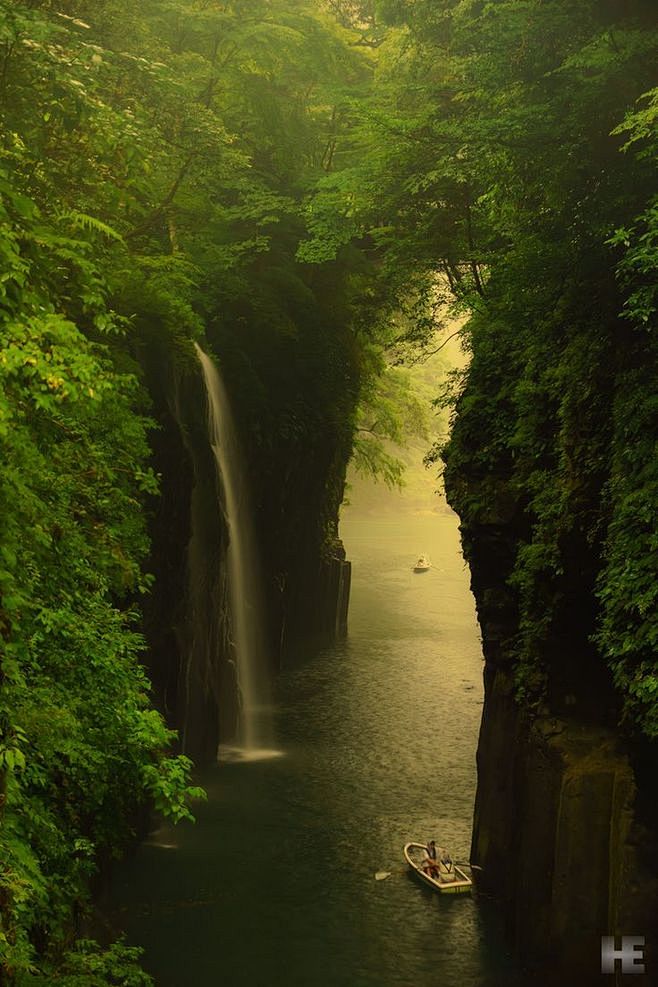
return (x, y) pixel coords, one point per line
(275, 884)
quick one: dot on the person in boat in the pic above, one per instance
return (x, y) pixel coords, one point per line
(430, 863)
(446, 865)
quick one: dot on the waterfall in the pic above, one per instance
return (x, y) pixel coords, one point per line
(254, 732)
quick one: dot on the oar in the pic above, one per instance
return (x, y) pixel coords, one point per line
(381, 875)
(467, 863)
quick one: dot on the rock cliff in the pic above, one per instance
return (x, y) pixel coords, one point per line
(565, 814)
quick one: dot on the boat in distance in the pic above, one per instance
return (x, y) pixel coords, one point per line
(451, 880)
(423, 564)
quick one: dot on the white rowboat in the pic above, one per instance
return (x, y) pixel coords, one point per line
(414, 854)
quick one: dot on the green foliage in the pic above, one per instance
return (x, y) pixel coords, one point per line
(167, 785)
(89, 966)
(509, 152)
(160, 169)
(80, 748)
(390, 413)
(638, 266)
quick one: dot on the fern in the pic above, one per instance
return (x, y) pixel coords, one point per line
(83, 221)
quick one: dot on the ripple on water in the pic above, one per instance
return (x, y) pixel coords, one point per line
(229, 754)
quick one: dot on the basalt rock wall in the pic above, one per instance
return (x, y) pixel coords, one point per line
(565, 820)
(187, 620)
(559, 835)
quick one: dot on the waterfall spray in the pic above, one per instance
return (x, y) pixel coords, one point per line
(254, 737)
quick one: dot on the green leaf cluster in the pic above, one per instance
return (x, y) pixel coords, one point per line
(80, 747)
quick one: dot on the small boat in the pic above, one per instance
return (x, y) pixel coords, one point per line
(423, 564)
(451, 880)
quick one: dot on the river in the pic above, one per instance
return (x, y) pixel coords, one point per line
(275, 884)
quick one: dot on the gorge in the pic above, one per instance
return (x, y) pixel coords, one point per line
(312, 199)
